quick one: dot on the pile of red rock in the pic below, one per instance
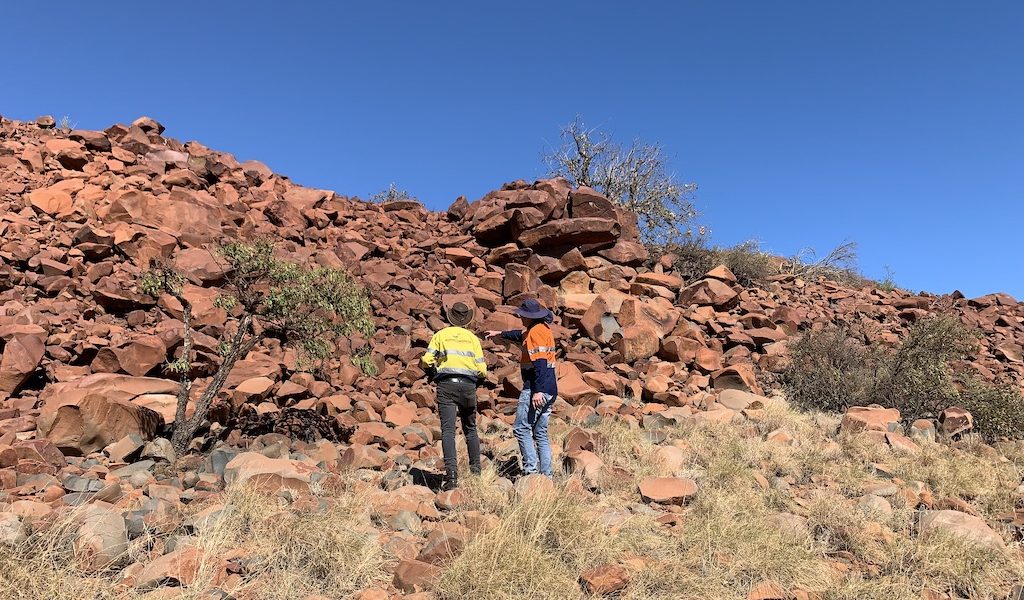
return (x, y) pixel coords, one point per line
(82, 214)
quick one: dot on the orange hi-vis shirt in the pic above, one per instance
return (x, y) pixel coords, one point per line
(538, 343)
(538, 359)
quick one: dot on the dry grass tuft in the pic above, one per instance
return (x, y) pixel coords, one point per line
(839, 526)
(543, 543)
(484, 494)
(988, 482)
(964, 569)
(45, 566)
(622, 445)
(885, 587)
(333, 551)
(726, 545)
(289, 554)
(720, 458)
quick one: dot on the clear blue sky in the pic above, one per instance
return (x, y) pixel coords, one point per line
(896, 124)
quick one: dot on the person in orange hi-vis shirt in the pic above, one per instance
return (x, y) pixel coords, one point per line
(540, 385)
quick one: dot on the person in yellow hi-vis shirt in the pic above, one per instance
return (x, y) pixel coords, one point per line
(455, 361)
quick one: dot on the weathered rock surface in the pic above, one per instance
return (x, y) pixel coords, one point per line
(270, 474)
(667, 490)
(956, 523)
(95, 422)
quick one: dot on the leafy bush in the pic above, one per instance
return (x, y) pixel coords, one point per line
(829, 370)
(998, 408)
(919, 377)
(362, 359)
(925, 374)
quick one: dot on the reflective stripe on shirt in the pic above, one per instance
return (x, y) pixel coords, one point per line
(453, 371)
(455, 351)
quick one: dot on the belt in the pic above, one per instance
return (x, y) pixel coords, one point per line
(456, 379)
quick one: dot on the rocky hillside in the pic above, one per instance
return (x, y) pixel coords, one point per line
(84, 402)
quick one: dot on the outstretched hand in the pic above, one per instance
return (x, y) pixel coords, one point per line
(491, 334)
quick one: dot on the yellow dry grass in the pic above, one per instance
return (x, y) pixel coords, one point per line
(988, 482)
(629, 458)
(484, 494)
(45, 566)
(333, 551)
(542, 544)
(728, 539)
(289, 554)
(726, 545)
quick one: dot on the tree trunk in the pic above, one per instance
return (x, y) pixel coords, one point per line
(185, 388)
(185, 429)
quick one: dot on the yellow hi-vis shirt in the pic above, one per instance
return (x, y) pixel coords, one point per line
(455, 351)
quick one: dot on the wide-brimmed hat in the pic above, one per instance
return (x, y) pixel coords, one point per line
(459, 314)
(531, 309)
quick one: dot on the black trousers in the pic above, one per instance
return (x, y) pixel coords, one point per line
(458, 400)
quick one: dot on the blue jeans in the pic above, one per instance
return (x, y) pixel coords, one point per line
(531, 430)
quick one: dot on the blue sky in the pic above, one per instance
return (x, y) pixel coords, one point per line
(895, 124)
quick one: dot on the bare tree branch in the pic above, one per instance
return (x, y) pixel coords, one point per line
(635, 177)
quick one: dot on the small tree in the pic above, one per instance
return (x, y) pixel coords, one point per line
(635, 177)
(267, 297)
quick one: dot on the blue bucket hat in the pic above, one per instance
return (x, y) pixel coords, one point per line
(531, 309)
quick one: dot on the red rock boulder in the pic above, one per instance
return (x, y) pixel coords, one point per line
(94, 422)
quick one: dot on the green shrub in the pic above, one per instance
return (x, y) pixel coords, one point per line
(829, 370)
(919, 377)
(750, 265)
(267, 296)
(998, 408)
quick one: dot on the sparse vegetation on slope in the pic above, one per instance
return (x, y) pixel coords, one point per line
(923, 375)
(289, 553)
(807, 514)
(792, 514)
